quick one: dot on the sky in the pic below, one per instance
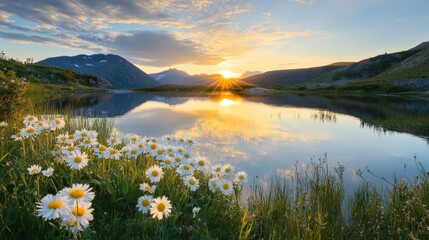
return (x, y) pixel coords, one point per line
(213, 36)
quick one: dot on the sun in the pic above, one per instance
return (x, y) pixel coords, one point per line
(229, 74)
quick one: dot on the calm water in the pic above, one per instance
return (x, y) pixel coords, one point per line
(266, 135)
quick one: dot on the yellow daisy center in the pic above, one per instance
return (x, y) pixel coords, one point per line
(155, 173)
(186, 155)
(134, 139)
(201, 162)
(18, 134)
(102, 148)
(31, 130)
(79, 211)
(34, 170)
(31, 118)
(241, 176)
(63, 138)
(192, 181)
(55, 204)
(160, 207)
(218, 169)
(225, 186)
(180, 150)
(57, 148)
(148, 188)
(153, 140)
(145, 202)
(160, 151)
(227, 170)
(192, 164)
(168, 161)
(40, 124)
(77, 193)
(187, 167)
(140, 145)
(113, 140)
(181, 140)
(78, 159)
(133, 151)
(71, 136)
(190, 141)
(70, 148)
(84, 134)
(87, 141)
(57, 121)
(113, 151)
(153, 146)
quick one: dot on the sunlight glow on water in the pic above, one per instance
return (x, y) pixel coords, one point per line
(266, 140)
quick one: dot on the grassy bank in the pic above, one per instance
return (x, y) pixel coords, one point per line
(314, 205)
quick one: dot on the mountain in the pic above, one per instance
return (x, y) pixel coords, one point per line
(177, 77)
(45, 74)
(117, 70)
(409, 68)
(295, 76)
(171, 76)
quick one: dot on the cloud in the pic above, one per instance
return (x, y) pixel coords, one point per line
(306, 2)
(161, 49)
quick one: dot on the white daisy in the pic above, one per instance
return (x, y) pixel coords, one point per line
(88, 142)
(160, 208)
(3, 124)
(213, 182)
(195, 211)
(79, 218)
(29, 131)
(48, 172)
(145, 187)
(77, 160)
(185, 169)
(34, 169)
(227, 169)
(78, 192)
(63, 138)
(241, 177)
(154, 173)
(191, 182)
(143, 203)
(67, 150)
(41, 126)
(30, 120)
(113, 153)
(187, 154)
(57, 123)
(82, 134)
(167, 162)
(200, 163)
(52, 207)
(131, 151)
(226, 186)
(17, 136)
(114, 140)
(100, 151)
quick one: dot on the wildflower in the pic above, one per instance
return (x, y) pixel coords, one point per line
(154, 173)
(57, 123)
(132, 151)
(167, 162)
(187, 155)
(192, 182)
(185, 169)
(17, 136)
(132, 138)
(195, 211)
(52, 207)
(227, 169)
(48, 172)
(77, 160)
(30, 120)
(241, 177)
(63, 138)
(147, 188)
(143, 203)
(80, 193)
(217, 170)
(113, 153)
(88, 142)
(29, 131)
(82, 134)
(100, 151)
(114, 141)
(41, 125)
(67, 150)
(226, 187)
(79, 218)
(213, 184)
(200, 163)
(160, 207)
(3, 124)
(34, 169)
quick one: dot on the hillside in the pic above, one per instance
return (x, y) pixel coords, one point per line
(51, 75)
(407, 69)
(117, 70)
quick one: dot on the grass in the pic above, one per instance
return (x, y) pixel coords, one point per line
(313, 205)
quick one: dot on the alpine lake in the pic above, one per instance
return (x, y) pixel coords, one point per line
(273, 136)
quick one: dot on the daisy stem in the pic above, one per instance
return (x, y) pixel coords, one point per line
(38, 186)
(23, 148)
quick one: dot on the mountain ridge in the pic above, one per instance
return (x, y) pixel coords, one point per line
(121, 73)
